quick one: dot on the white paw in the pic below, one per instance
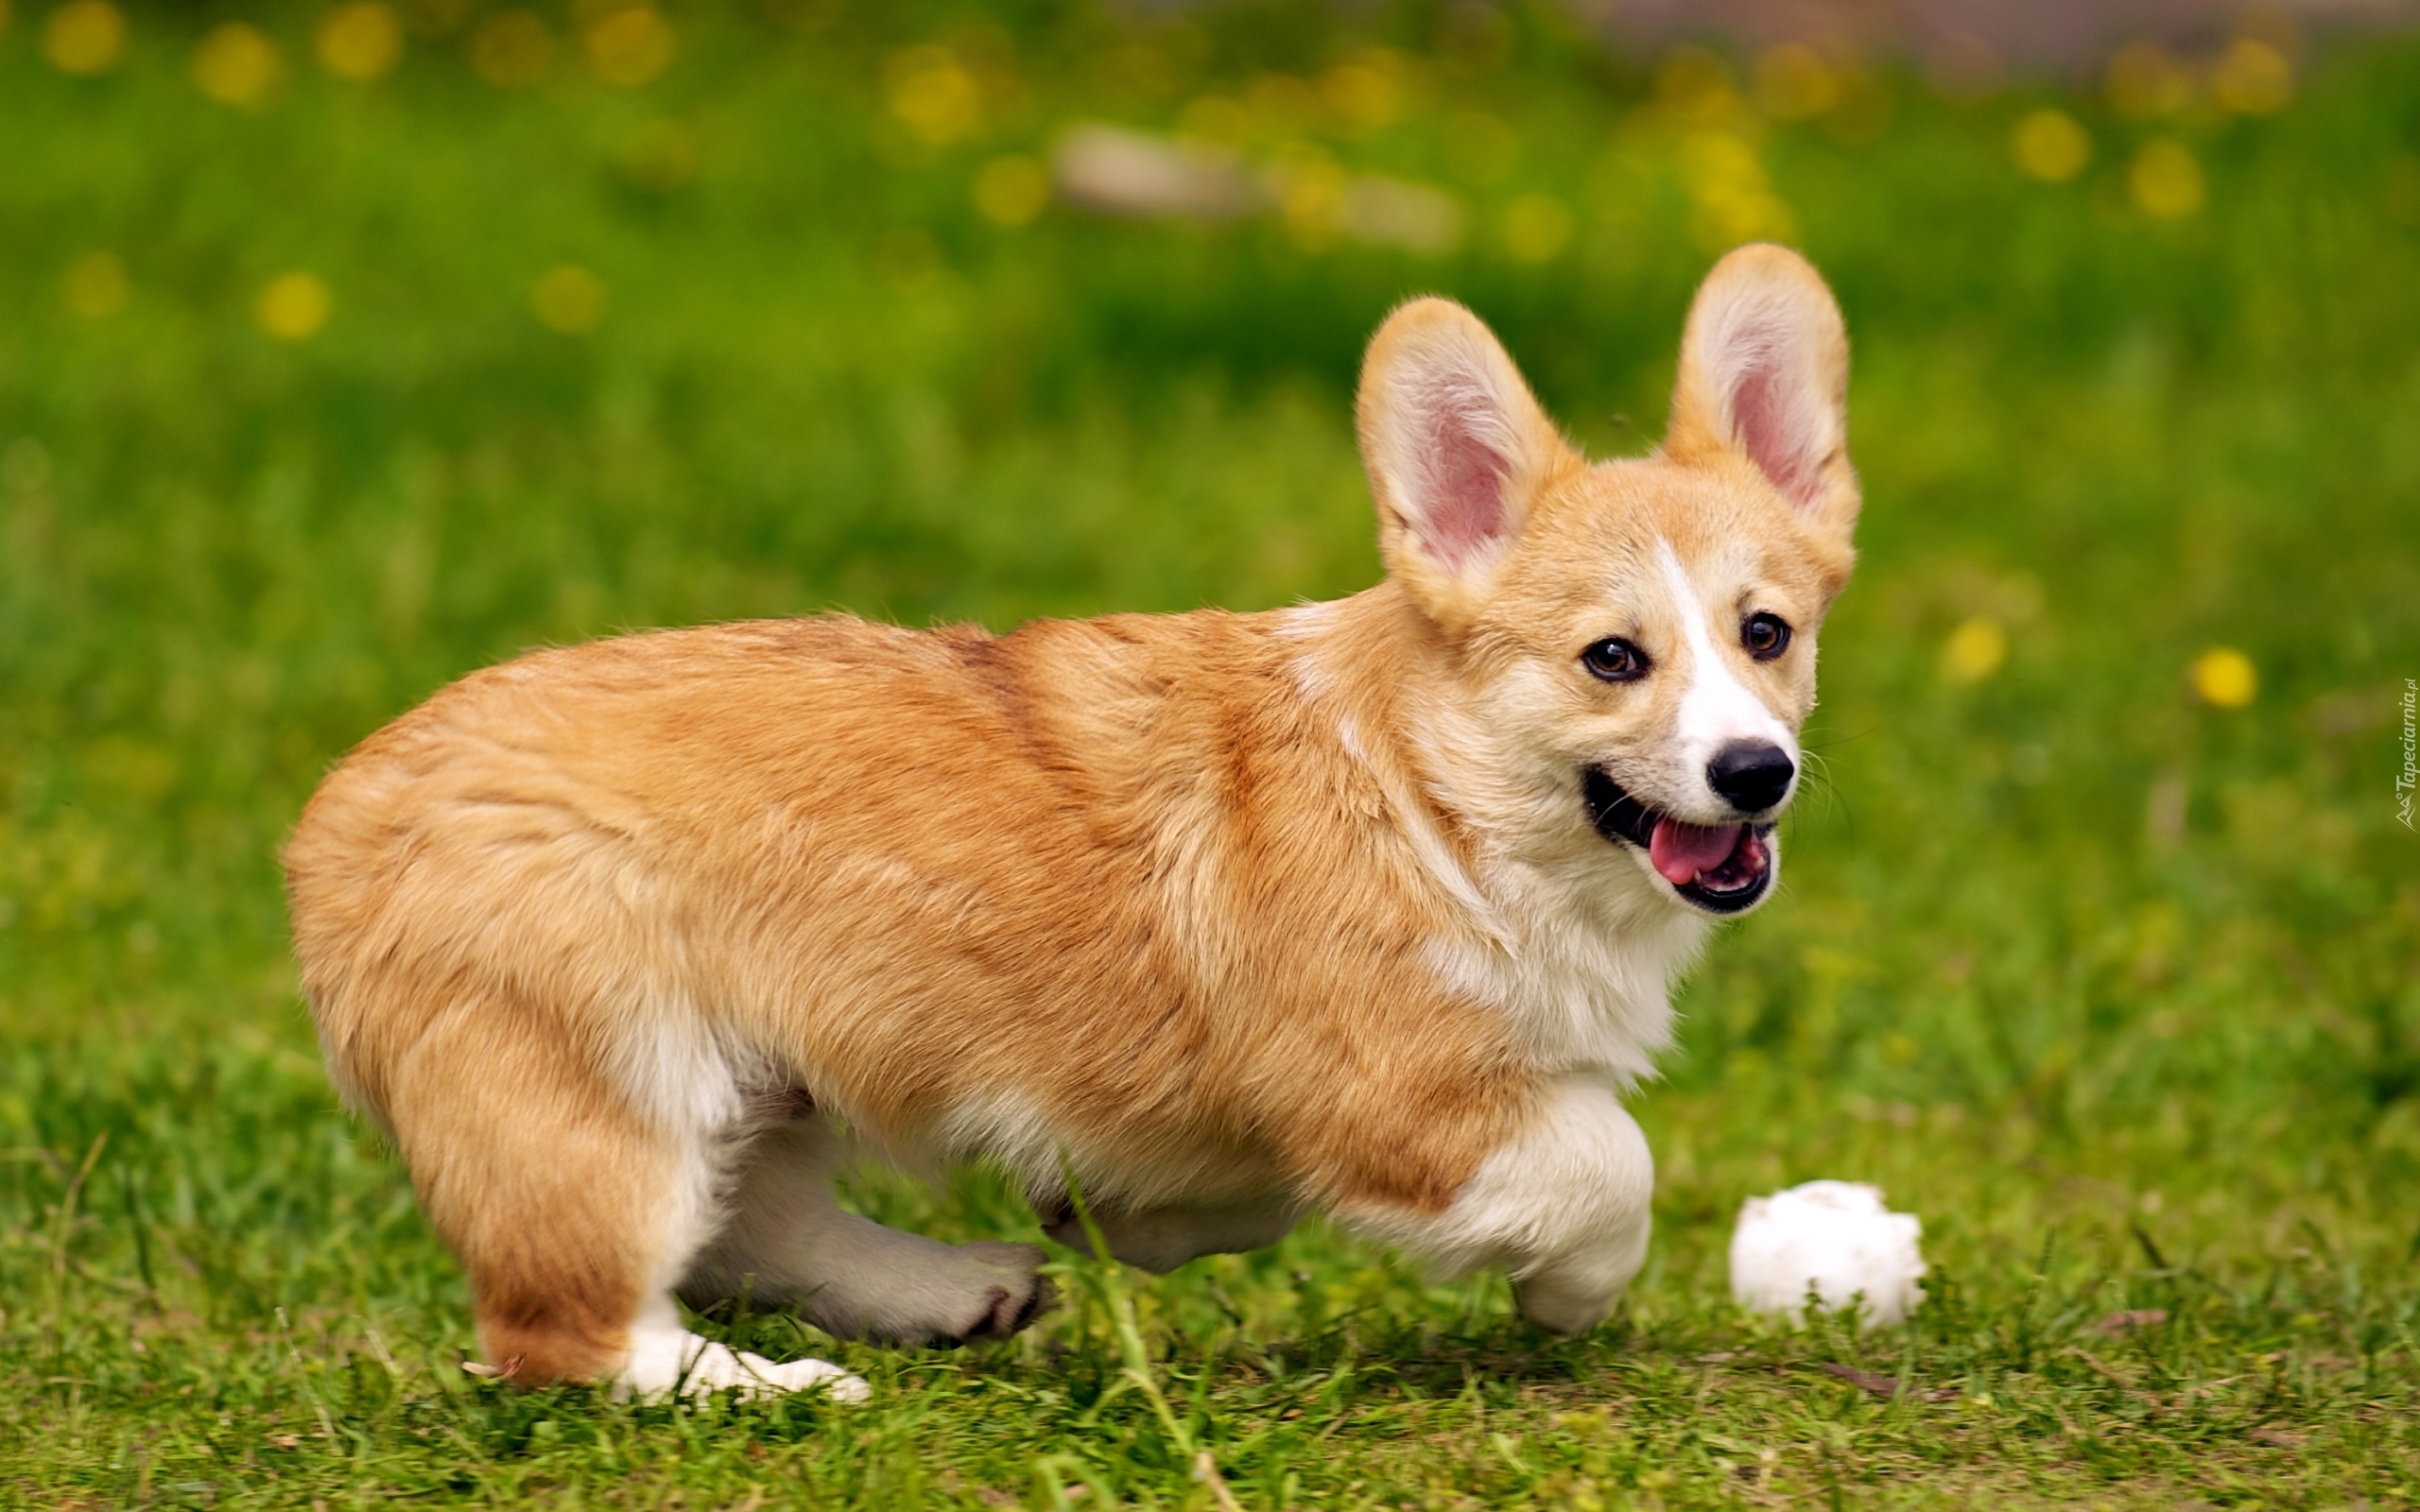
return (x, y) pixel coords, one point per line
(720, 1369)
(662, 1361)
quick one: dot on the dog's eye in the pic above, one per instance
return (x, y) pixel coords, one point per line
(1766, 636)
(1615, 660)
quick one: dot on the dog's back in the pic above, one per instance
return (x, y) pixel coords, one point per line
(1030, 897)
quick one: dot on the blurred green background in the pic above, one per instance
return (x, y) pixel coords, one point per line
(345, 349)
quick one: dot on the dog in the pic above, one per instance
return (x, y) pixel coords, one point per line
(1371, 906)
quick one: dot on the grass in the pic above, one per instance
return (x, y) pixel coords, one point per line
(2114, 986)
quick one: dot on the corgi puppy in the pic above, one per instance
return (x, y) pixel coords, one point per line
(1370, 907)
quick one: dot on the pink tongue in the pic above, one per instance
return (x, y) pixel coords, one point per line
(1680, 850)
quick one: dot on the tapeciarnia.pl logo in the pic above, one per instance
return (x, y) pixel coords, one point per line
(2409, 777)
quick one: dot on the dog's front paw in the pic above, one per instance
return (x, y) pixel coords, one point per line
(1014, 1294)
(666, 1360)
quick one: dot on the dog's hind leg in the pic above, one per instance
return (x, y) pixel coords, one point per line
(572, 1209)
(788, 1242)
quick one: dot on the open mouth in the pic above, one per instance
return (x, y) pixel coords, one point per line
(1723, 868)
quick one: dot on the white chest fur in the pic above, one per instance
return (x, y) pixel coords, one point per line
(1580, 960)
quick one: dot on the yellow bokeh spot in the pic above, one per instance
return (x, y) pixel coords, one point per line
(237, 65)
(568, 298)
(294, 306)
(1974, 650)
(1012, 191)
(933, 96)
(361, 41)
(1282, 105)
(2252, 78)
(2144, 82)
(1310, 194)
(1363, 96)
(1537, 227)
(2050, 146)
(661, 155)
(2166, 180)
(1733, 203)
(1717, 162)
(1215, 118)
(1718, 223)
(1694, 84)
(512, 49)
(1793, 83)
(95, 285)
(630, 47)
(2226, 677)
(432, 18)
(85, 37)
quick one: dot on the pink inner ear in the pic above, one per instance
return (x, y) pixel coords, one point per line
(1767, 424)
(1464, 509)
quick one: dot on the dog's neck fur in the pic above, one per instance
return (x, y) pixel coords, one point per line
(1549, 921)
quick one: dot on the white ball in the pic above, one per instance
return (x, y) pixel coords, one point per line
(1835, 1234)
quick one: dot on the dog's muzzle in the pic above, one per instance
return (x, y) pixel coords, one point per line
(1722, 868)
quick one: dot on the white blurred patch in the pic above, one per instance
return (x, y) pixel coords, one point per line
(1112, 170)
(1836, 1235)
(1394, 213)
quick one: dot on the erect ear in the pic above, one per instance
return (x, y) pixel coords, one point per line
(1764, 375)
(1456, 452)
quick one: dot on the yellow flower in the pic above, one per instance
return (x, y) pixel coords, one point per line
(1717, 162)
(1310, 193)
(512, 49)
(1694, 85)
(1793, 83)
(1364, 95)
(1537, 227)
(2226, 677)
(294, 306)
(933, 96)
(1734, 202)
(361, 41)
(1215, 118)
(1012, 191)
(2144, 82)
(2166, 180)
(2253, 78)
(1974, 650)
(2050, 146)
(630, 47)
(568, 298)
(237, 65)
(95, 285)
(85, 37)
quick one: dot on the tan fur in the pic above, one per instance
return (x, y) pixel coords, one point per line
(1163, 895)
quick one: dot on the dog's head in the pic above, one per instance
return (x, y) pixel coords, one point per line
(1633, 640)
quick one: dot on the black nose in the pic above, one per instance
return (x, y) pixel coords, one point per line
(1751, 775)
